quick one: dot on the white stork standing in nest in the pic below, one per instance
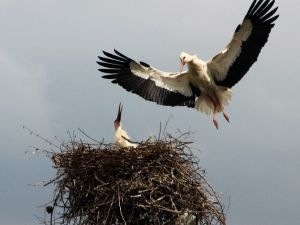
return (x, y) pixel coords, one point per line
(122, 139)
(206, 85)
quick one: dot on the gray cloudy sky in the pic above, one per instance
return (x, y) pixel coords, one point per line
(50, 82)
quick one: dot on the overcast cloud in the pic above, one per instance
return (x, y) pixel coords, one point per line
(50, 83)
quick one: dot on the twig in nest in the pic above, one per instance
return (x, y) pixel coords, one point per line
(93, 139)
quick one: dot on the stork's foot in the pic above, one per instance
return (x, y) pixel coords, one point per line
(226, 116)
(215, 120)
(216, 123)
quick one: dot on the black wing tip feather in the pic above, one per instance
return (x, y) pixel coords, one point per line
(113, 65)
(122, 55)
(108, 76)
(144, 64)
(261, 10)
(119, 57)
(251, 7)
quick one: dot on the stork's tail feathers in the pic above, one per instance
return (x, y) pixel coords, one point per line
(224, 95)
(205, 105)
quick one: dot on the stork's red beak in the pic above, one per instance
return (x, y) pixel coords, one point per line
(118, 119)
(182, 63)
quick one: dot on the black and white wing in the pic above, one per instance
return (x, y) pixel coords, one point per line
(172, 89)
(229, 66)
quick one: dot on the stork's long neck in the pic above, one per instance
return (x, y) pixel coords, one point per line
(198, 71)
(196, 64)
(119, 128)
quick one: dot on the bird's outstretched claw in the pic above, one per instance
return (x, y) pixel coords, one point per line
(226, 116)
(216, 123)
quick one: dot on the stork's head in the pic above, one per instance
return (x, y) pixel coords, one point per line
(185, 58)
(117, 122)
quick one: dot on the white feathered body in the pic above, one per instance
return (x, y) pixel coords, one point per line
(200, 76)
(121, 138)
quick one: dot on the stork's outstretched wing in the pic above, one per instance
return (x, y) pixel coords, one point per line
(164, 88)
(229, 66)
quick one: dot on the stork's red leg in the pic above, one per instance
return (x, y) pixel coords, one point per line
(217, 103)
(215, 121)
(226, 116)
(215, 111)
(215, 118)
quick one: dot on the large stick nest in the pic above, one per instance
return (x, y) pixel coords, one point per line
(158, 182)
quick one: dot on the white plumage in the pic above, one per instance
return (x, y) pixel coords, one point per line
(206, 85)
(122, 139)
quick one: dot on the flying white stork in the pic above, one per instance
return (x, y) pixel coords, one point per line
(206, 85)
(122, 139)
